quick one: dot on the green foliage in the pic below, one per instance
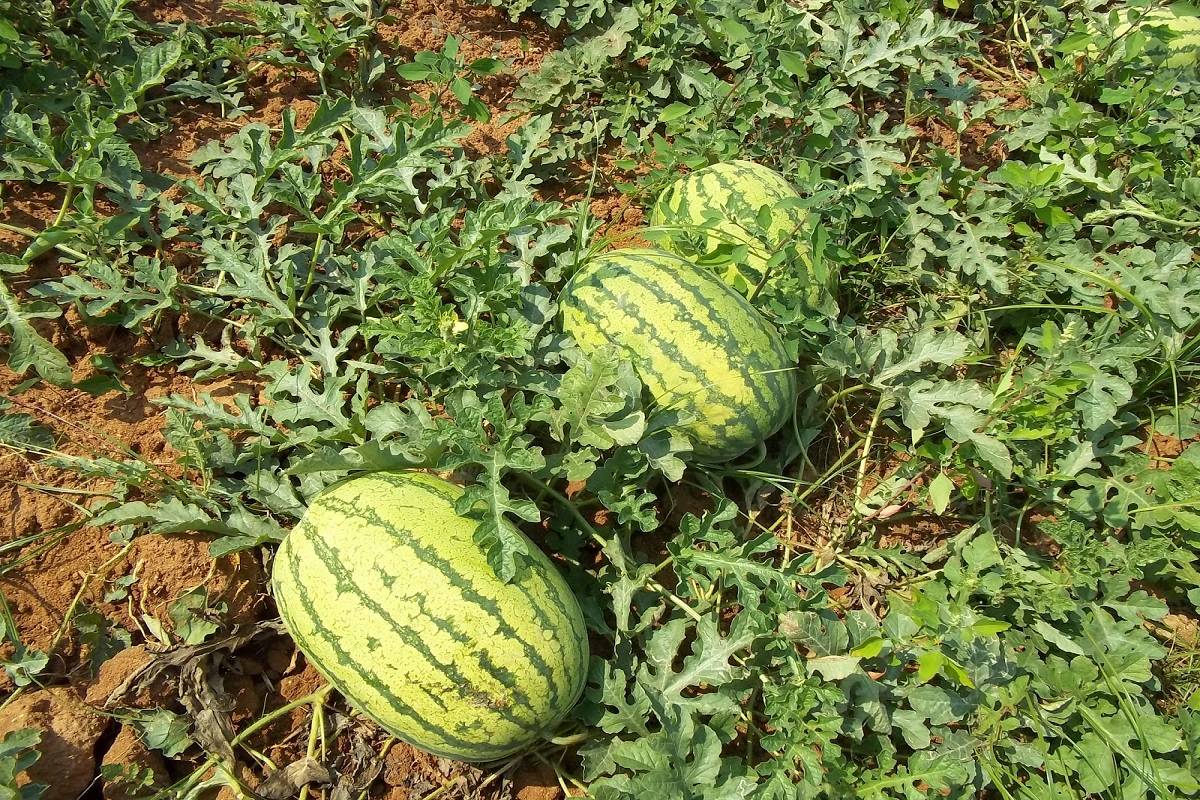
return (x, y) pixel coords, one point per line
(448, 72)
(18, 753)
(22, 664)
(949, 575)
(101, 638)
(163, 730)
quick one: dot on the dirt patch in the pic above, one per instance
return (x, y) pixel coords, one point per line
(484, 31)
(302, 683)
(622, 221)
(190, 128)
(69, 566)
(976, 146)
(273, 91)
(1184, 628)
(39, 502)
(168, 566)
(410, 773)
(916, 533)
(202, 12)
(1162, 449)
(118, 678)
(69, 730)
(536, 783)
(25, 205)
(303, 680)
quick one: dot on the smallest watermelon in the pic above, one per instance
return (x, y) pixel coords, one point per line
(738, 203)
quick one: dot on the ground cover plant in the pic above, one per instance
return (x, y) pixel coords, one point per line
(250, 250)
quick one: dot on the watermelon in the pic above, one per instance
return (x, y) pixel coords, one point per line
(699, 347)
(1178, 23)
(729, 197)
(384, 589)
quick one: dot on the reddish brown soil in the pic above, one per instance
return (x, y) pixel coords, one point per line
(623, 221)
(916, 534)
(118, 681)
(201, 12)
(484, 32)
(975, 146)
(537, 783)
(409, 773)
(1162, 448)
(25, 205)
(32, 500)
(128, 754)
(69, 731)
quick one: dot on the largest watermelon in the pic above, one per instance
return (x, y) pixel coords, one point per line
(698, 346)
(385, 591)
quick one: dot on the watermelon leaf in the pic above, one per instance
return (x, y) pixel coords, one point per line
(506, 549)
(29, 349)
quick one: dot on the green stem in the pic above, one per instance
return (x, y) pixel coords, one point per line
(562, 776)
(675, 599)
(240, 78)
(566, 503)
(1186, 503)
(62, 209)
(446, 786)
(833, 398)
(987, 69)
(315, 728)
(762, 282)
(650, 584)
(309, 699)
(1028, 40)
(29, 233)
(1055, 306)
(1140, 213)
(312, 270)
(862, 469)
(1112, 285)
(568, 741)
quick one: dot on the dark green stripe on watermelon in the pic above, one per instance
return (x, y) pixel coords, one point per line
(368, 676)
(469, 593)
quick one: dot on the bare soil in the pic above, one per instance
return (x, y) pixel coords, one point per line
(40, 501)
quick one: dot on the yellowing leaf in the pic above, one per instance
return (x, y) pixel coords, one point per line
(870, 648)
(928, 665)
(940, 489)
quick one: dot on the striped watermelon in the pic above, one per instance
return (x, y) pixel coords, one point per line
(729, 196)
(384, 590)
(1182, 24)
(698, 346)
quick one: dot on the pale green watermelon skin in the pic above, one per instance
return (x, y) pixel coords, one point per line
(732, 193)
(1183, 22)
(385, 590)
(698, 346)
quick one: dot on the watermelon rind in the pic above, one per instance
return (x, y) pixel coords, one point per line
(1178, 22)
(385, 591)
(725, 204)
(699, 347)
